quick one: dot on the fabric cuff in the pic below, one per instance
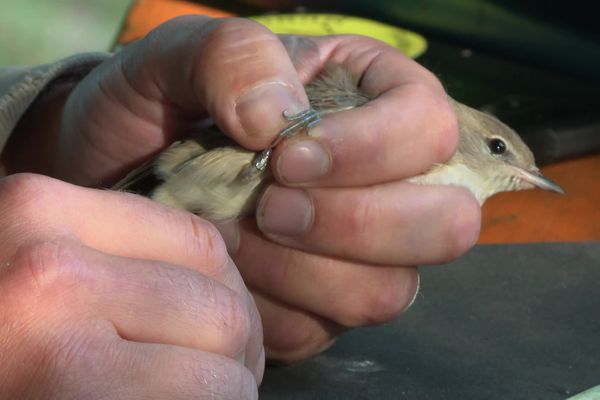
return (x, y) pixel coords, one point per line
(20, 87)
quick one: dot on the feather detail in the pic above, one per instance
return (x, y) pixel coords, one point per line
(212, 184)
(212, 176)
(207, 173)
(335, 90)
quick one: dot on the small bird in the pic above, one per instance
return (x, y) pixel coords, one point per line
(210, 175)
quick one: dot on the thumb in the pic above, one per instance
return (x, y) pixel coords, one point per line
(234, 69)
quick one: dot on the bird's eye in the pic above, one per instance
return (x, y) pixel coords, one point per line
(497, 146)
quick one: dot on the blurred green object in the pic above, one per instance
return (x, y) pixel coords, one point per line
(410, 43)
(41, 31)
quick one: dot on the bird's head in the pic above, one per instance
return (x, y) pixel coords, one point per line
(497, 154)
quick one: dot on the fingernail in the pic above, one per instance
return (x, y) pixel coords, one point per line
(417, 283)
(259, 368)
(303, 161)
(285, 212)
(260, 109)
(230, 232)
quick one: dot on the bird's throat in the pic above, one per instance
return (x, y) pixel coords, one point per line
(457, 174)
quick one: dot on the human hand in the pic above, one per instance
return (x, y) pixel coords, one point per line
(110, 295)
(342, 229)
(340, 249)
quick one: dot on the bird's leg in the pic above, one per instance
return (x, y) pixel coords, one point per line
(301, 121)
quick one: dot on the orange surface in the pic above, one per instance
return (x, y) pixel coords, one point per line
(145, 15)
(538, 216)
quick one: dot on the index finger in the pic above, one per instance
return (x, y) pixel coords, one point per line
(407, 127)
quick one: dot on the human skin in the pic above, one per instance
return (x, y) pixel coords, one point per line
(332, 246)
(97, 302)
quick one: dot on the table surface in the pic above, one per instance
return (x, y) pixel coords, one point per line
(504, 322)
(537, 216)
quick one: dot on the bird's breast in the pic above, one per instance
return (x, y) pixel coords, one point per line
(457, 174)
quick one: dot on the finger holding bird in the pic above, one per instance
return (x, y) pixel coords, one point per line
(211, 175)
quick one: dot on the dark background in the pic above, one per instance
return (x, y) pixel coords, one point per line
(504, 322)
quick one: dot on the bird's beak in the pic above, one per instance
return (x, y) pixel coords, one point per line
(539, 180)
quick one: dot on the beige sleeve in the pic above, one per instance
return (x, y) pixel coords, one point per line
(20, 86)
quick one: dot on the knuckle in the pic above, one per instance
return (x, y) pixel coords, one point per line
(236, 31)
(371, 47)
(164, 32)
(45, 267)
(232, 44)
(15, 184)
(24, 194)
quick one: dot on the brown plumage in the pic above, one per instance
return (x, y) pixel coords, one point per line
(211, 175)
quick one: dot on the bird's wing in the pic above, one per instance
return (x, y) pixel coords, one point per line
(336, 89)
(145, 178)
(140, 181)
